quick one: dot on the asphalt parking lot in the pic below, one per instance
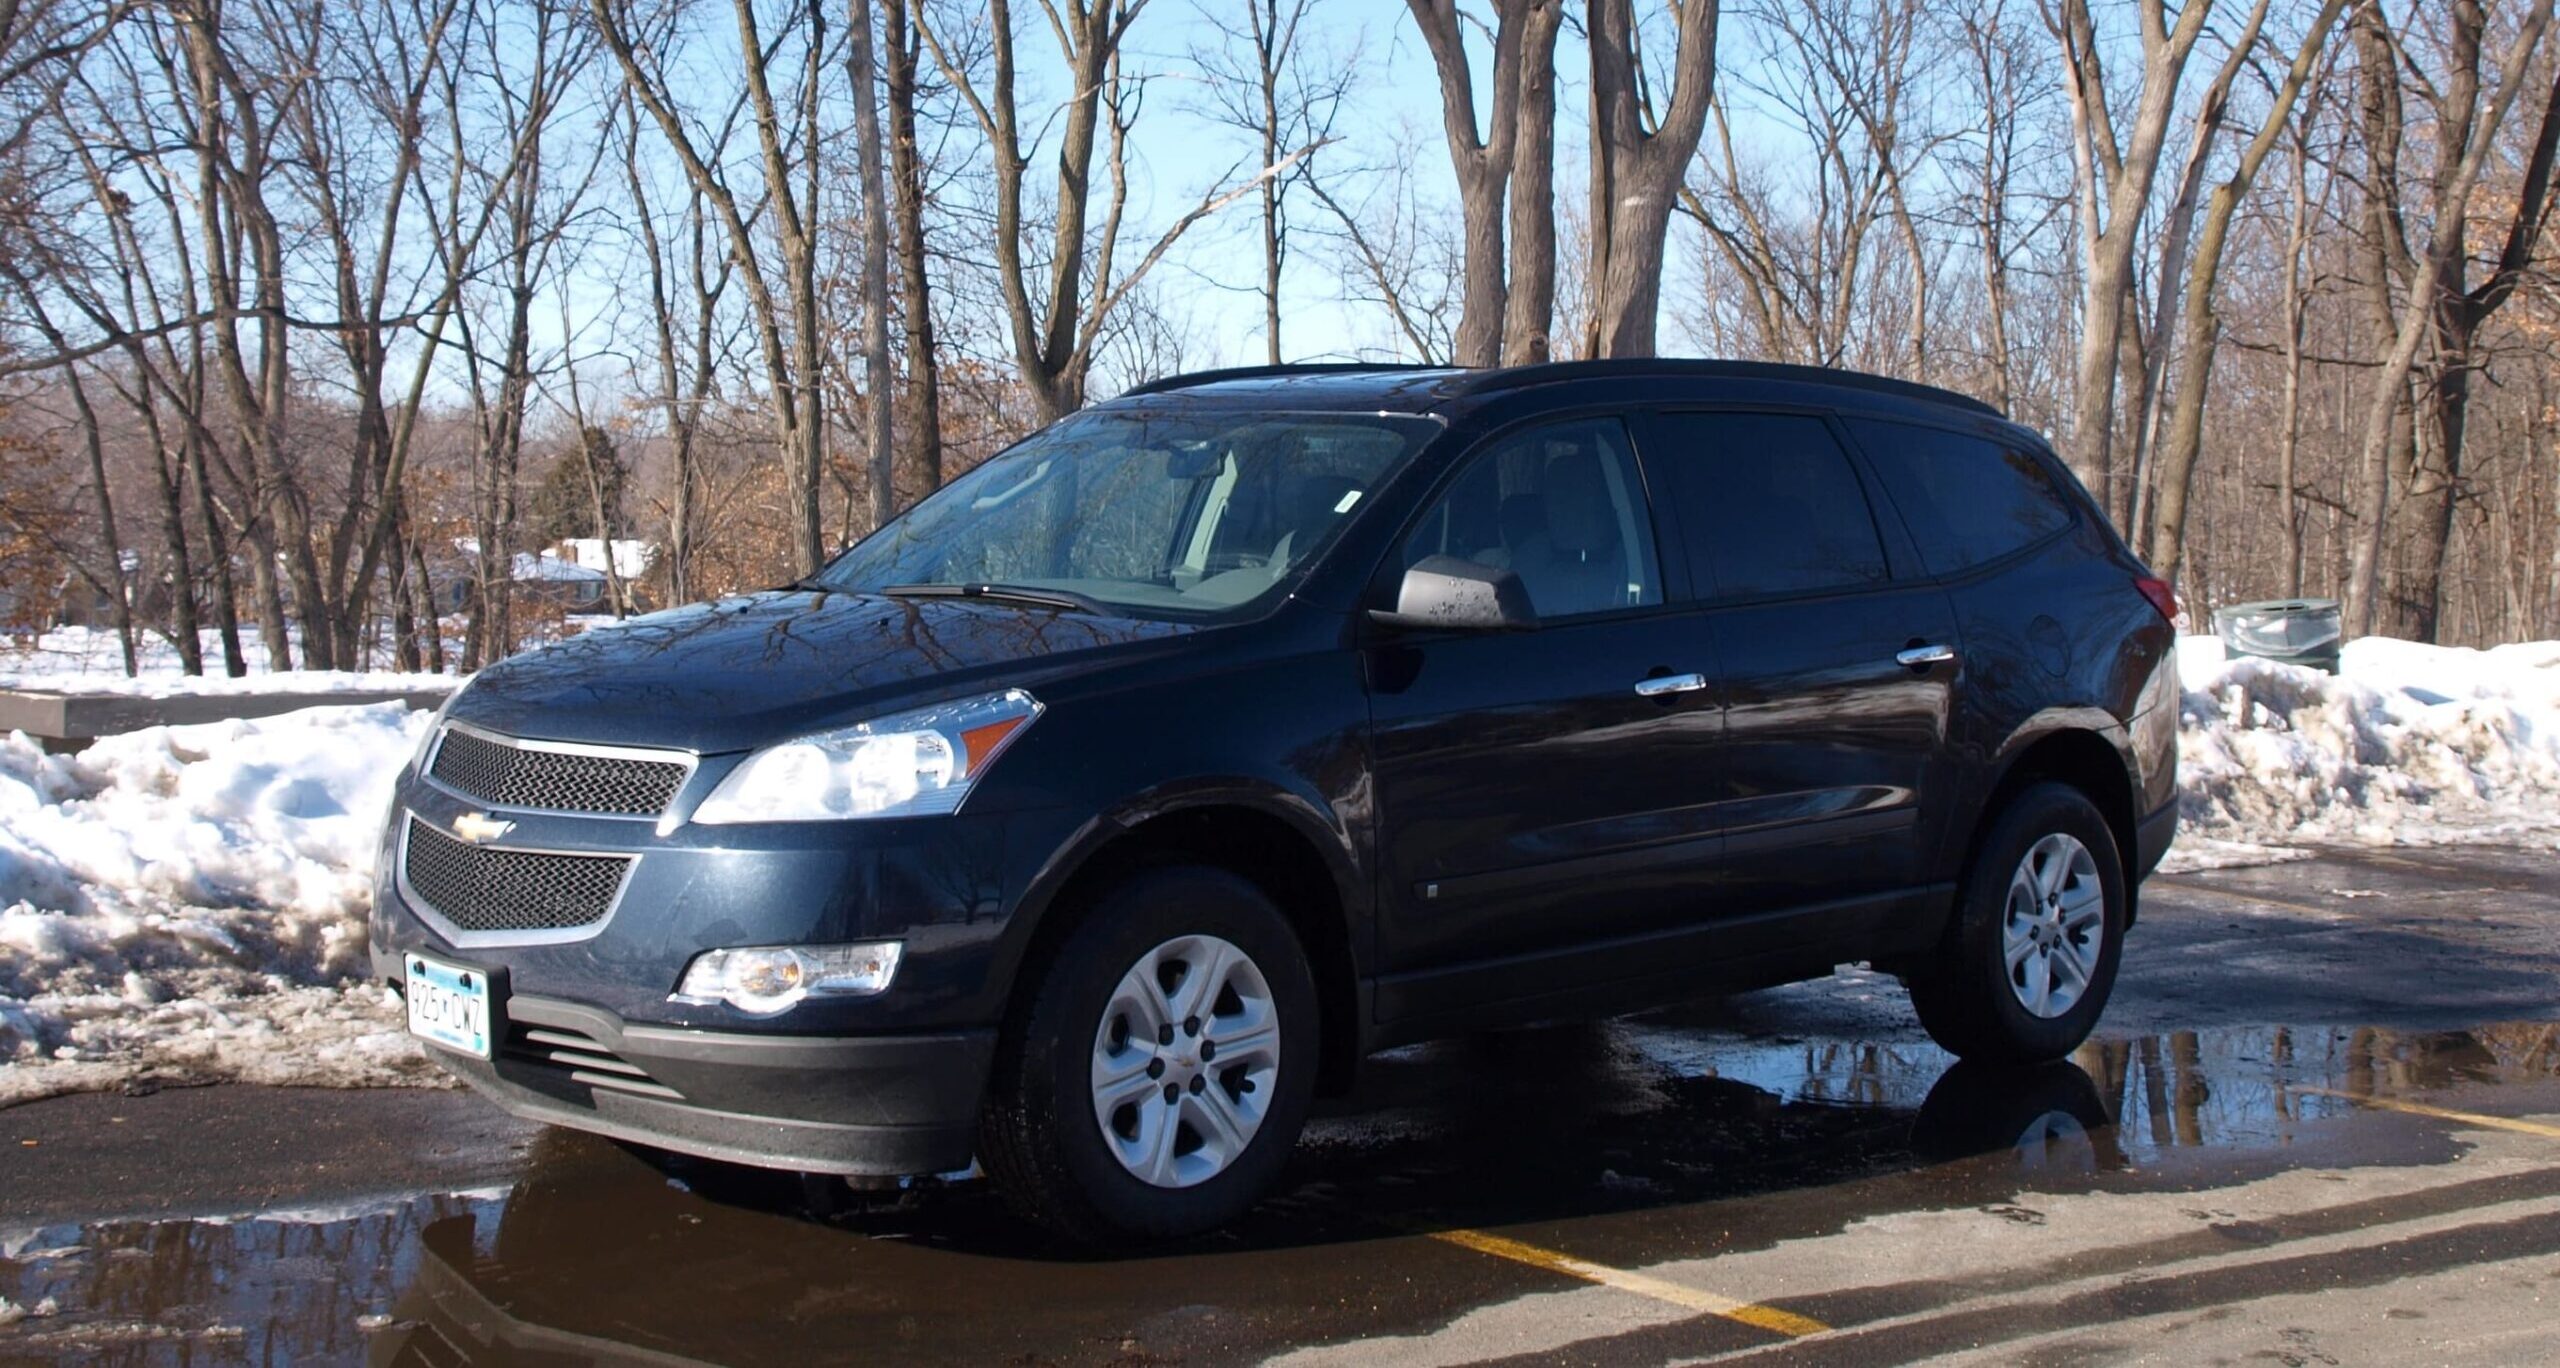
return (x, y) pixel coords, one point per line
(2321, 1124)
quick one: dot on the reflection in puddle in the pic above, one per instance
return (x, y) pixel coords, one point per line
(1634, 1141)
(2183, 1090)
(277, 1287)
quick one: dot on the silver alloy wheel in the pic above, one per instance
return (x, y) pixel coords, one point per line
(1184, 1061)
(2054, 925)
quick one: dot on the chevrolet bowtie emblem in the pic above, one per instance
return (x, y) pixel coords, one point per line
(480, 829)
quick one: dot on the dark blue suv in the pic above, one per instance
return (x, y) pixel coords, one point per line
(1094, 816)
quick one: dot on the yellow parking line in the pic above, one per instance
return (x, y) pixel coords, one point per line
(2504, 1123)
(1688, 1298)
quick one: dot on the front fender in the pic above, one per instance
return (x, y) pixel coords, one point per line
(1335, 844)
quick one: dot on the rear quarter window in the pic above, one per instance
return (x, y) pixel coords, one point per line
(1966, 499)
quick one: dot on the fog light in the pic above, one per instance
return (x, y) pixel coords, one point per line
(771, 978)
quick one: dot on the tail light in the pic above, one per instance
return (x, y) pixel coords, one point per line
(2161, 595)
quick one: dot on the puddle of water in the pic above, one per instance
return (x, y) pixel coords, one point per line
(2183, 1090)
(1628, 1142)
(278, 1287)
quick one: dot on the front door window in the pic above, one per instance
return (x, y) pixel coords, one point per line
(1561, 507)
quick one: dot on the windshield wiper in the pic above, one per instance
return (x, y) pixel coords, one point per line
(1011, 593)
(811, 584)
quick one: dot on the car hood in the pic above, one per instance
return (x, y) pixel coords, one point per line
(746, 671)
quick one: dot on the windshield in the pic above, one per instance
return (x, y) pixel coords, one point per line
(1196, 514)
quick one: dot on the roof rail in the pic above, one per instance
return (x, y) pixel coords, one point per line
(1211, 377)
(1521, 377)
(1496, 379)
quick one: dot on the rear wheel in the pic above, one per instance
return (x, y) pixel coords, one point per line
(2027, 965)
(1159, 1076)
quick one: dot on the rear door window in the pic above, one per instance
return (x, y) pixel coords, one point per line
(1966, 499)
(1768, 503)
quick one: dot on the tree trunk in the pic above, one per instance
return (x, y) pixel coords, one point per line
(1529, 304)
(2466, 125)
(184, 632)
(2203, 324)
(1636, 174)
(2177, 233)
(906, 174)
(217, 550)
(2125, 171)
(1481, 161)
(875, 266)
(2289, 444)
(2461, 312)
(118, 591)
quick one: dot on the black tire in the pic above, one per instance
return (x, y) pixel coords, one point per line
(1965, 992)
(1040, 1139)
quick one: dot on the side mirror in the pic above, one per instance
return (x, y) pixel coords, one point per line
(1450, 594)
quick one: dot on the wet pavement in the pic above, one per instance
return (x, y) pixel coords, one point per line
(2321, 1124)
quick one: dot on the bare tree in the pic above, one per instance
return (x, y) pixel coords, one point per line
(877, 415)
(687, 370)
(1523, 79)
(1056, 329)
(1271, 93)
(1797, 230)
(1996, 62)
(2295, 306)
(1393, 255)
(1636, 170)
(784, 311)
(907, 198)
(2203, 323)
(2150, 346)
(2462, 310)
(2115, 177)
(2470, 118)
(1052, 346)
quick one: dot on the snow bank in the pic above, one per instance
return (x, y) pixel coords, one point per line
(189, 902)
(2407, 744)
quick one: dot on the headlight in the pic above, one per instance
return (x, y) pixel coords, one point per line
(435, 724)
(767, 979)
(913, 764)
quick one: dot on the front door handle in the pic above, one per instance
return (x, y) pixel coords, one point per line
(1660, 685)
(1923, 656)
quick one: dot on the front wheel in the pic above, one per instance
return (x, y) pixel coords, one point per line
(2031, 957)
(1162, 1070)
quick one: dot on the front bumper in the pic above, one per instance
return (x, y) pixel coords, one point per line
(887, 1105)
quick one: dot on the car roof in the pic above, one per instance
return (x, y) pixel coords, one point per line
(1393, 388)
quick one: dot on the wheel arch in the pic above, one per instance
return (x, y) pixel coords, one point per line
(2087, 749)
(1299, 860)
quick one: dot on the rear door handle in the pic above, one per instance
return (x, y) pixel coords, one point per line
(1660, 685)
(1923, 656)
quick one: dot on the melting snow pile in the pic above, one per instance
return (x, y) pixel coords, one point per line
(2407, 744)
(189, 902)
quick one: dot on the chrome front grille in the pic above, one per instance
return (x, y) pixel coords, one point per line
(556, 777)
(479, 890)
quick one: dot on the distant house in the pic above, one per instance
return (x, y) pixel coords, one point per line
(632, 557)
(569, 574)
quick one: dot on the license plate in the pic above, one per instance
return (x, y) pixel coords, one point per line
(449, 1005)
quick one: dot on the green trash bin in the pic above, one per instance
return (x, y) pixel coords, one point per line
(2293, 631)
